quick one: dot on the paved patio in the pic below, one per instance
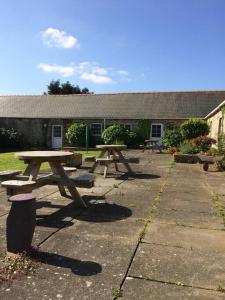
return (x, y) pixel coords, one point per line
(157, 235)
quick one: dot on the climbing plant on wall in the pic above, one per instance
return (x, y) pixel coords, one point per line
(144, 128)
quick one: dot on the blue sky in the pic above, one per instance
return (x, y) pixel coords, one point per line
(112, 45)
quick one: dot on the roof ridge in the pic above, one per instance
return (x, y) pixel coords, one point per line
(119, 93)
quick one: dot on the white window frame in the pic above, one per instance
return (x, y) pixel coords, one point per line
(96, 124)
(129, 124)
(157, 138)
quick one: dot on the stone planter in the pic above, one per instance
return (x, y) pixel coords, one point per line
(186, 158)
(75, 160)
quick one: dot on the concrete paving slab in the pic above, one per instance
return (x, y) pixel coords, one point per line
(179, 236)
(183, 202)
(76, 268)
(139, 289)
(189, 218)
(139, 203)
(181, 266)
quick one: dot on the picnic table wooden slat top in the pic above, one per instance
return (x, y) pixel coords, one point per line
(113, 147)
(43, 155)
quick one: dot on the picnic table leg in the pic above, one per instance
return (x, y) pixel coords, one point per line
(205, 166)
(115, 163)
(96, 163)
(32, 170)
(105, 170)
(58, 170)
(127, 166)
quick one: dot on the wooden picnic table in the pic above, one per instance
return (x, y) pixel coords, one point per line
(34, 159)
(153, 145)
(111, 154)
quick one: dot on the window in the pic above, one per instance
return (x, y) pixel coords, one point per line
(128, 126)
(156, 131)
(57, 131)
(96, 128)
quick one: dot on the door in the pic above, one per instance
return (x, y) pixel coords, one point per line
(156, 132)
(56, 136)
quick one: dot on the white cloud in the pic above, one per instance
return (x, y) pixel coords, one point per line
(64, 71)
(90, 71)
(123, 73)
(96, 78)
(53, 37)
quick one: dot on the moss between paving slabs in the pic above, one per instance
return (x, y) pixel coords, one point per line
(118, 292)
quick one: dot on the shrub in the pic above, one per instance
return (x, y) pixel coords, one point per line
(133, 138)
(115, 134)
(172, 138)
(193, 128)
(203, 143)
(9, 139)
(188, 148)
(76, 134)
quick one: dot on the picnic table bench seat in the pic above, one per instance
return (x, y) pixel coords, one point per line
(84, 181)
(90, 158)
(14, 187)
(104, 160)
(9, 174)
(117, 159)
(69, 170)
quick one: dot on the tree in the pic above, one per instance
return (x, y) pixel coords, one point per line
(56, 88)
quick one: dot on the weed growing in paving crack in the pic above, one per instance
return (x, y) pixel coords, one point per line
(220, 289)
(116, 293)
(14, 266)
(216, 200)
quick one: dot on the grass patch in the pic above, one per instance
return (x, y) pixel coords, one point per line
(8, 161)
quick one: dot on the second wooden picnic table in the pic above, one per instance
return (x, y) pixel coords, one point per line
(34, 159)
(111, 154)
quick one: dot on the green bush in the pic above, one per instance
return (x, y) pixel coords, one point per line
(10, 139)
(193, 128)
(115, 134)
(172, 137)
(188, 148)
(76, 134)
(203, 143)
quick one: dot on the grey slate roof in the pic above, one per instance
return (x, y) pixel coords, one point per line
(162, 105)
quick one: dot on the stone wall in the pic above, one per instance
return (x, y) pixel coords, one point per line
(38, 132)
(213, 122)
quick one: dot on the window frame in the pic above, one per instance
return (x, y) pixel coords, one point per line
(161, 133)
(92, 128)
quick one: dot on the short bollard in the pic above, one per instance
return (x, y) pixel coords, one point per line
(21, 223)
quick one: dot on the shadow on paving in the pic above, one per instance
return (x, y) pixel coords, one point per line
(78, 267)
(98, 212)
(137, 176)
